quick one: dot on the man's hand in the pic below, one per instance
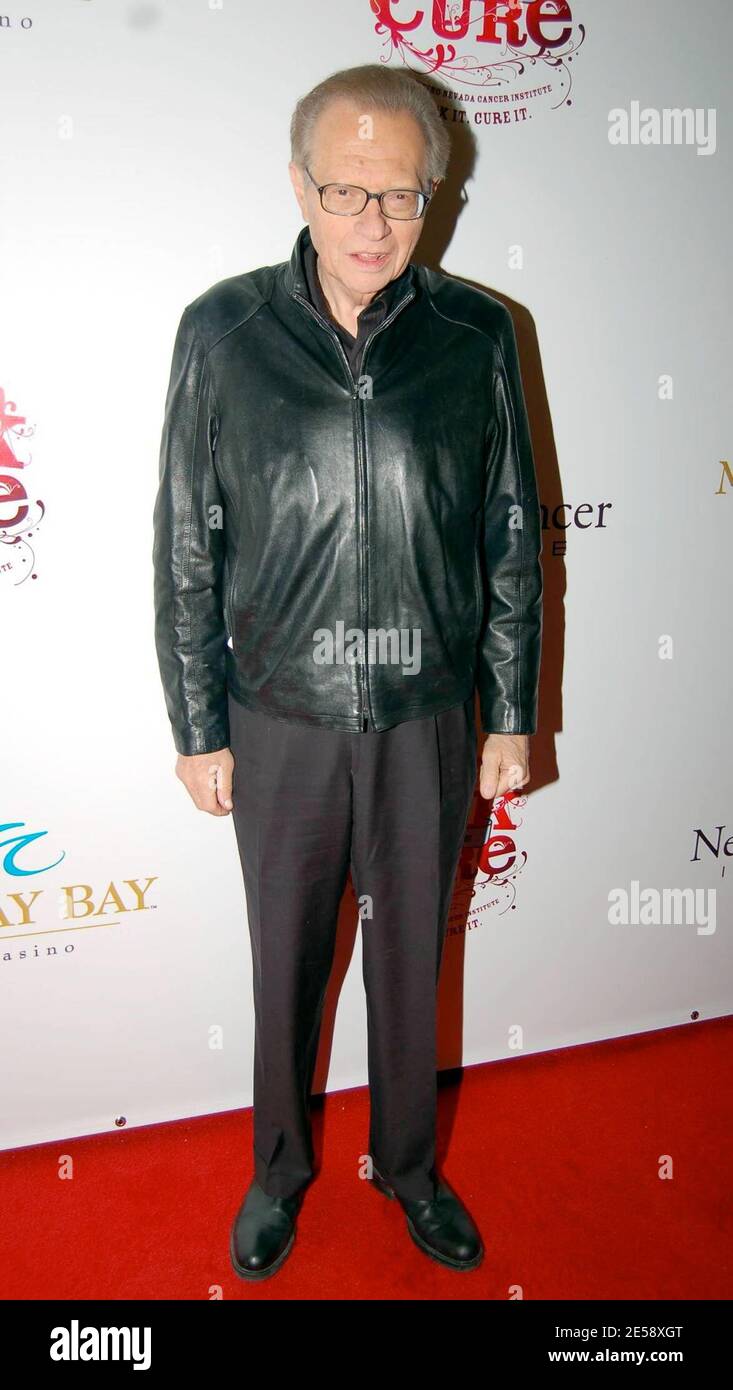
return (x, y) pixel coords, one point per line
(207, 778)
(504, 765)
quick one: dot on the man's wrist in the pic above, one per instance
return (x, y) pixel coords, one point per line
(502, 733)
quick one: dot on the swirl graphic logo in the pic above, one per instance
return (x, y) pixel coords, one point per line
(497, 59)
(13, 844)
(20, 517)
(491, 862)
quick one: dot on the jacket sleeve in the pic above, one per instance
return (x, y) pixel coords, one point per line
(511, 638)
(188, 555)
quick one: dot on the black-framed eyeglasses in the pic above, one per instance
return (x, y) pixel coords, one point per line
(348, 199)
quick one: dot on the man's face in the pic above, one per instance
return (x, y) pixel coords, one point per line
(376, 150)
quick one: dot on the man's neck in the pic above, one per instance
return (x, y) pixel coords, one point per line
(345, 308)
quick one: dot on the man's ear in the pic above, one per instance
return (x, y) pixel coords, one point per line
(296, 178)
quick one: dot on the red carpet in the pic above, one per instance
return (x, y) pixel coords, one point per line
(556, 1156)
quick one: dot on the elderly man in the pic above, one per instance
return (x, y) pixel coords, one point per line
(347, 546)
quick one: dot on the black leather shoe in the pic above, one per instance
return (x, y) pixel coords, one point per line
(263, 1233)
(441, 1227)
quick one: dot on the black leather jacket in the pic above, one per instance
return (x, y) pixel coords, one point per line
(295, 501)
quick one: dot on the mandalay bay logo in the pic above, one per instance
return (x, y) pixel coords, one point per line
(497, 61)
(30, 911)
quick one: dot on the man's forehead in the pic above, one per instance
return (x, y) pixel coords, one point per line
(345, 134)
(335, 162)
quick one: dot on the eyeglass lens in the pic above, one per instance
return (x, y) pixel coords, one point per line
(346, 199)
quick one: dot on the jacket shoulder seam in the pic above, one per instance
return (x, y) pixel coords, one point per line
(485, 331)
(255, 309)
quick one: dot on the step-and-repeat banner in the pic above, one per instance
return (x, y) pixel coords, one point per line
(144, 157)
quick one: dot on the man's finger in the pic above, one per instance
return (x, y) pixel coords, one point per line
(489, 778)
(224, 787)
(512, 778)
(209, 790)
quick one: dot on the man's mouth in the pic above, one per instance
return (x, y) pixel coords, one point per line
(369, 258)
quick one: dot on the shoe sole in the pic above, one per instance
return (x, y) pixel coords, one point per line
(265, 1273)
(428, 1250)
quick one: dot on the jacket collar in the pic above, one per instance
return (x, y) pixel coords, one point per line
(296, 282)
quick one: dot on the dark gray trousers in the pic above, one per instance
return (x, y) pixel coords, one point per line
(308, 804)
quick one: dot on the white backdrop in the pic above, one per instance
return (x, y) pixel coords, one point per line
(144, 156)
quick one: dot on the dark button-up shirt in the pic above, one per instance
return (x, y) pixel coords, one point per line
(370, 316)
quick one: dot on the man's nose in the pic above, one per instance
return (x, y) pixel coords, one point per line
(372, 221)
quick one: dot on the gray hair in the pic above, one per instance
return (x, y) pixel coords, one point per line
(373, 86)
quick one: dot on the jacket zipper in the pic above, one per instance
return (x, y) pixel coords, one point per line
(365, 705)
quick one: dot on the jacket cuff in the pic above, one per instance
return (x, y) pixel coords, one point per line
(209, 739)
